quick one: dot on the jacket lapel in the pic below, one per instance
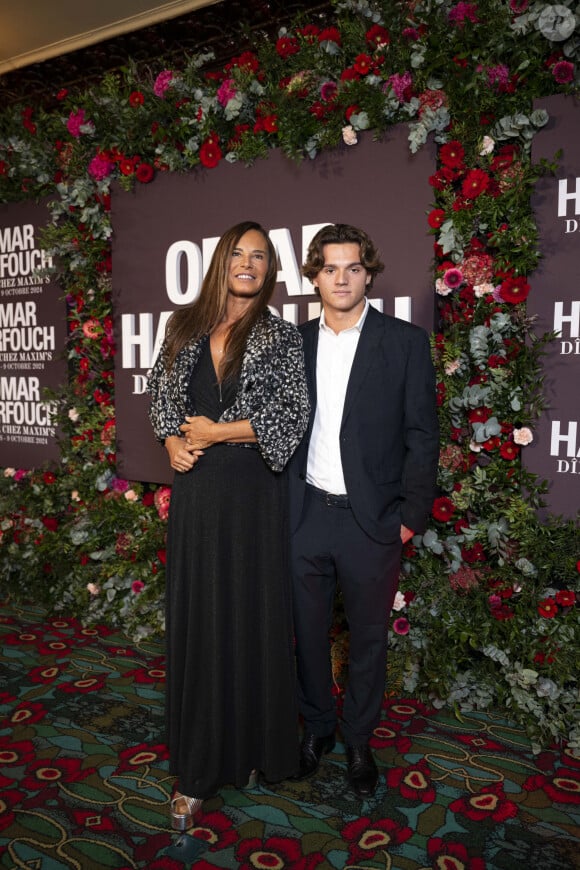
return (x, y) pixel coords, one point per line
(367, 348)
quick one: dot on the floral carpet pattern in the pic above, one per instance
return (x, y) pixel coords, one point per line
(84, 779)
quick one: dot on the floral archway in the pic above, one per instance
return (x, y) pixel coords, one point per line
(488, 612)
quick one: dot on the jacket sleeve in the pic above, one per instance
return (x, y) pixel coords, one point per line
(275, 400)
(166, 411)
(421, 435)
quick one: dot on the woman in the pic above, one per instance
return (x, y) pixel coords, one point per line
(229, 401)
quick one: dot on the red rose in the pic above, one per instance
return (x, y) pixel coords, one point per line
(210, 152)
(136, 98)
(144, 173)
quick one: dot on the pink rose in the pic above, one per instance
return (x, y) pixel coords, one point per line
(523, 436)
(349, 136)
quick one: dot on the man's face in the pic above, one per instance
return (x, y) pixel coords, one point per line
(343, 280)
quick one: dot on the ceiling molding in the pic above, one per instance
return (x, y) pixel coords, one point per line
(109, 29)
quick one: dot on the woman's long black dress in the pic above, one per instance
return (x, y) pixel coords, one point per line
(231, 703)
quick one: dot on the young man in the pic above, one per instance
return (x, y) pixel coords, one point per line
(361, 485)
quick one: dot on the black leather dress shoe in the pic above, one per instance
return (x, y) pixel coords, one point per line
(312, 749)
(362, 773)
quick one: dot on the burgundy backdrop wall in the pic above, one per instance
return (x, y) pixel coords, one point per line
(165, 232)
(555, 301)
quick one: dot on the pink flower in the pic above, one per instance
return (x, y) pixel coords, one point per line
(328, 91)
(400, 601)
(226, 92)
(100, 167)
(523, 436)
(349, 135)
(119, 484)
(453, 278)
(92, 328)
(563, 72)
(162, 498)
(162, 83)
(76, 120)
(462, 12)
(401, 625)
(498, 75)
(401, 85)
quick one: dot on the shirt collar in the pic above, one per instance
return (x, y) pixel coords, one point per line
(358, 325)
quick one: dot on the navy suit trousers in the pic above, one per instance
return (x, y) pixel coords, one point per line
(330, 547)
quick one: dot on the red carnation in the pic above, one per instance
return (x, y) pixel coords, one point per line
(475, 183)
(435, 218)
(479, 415)
(210, 152)
(287, 46)
(452, 154)
(377, 36)
(362, 64)
(509, 450)
(565, 598)
(514, 290)
(443, 509)
(548, 608)
(330, 34)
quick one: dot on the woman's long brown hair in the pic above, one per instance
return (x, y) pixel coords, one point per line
(202, 316)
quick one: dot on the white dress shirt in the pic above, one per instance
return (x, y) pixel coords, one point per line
(333, 364)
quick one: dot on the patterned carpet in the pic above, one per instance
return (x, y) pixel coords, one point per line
(84, 780)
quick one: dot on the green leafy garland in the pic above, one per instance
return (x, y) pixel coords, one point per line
(488, 613)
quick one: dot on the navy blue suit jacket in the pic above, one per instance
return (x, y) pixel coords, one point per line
(389, 436)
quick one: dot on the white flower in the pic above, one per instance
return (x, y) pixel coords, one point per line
(442, 288)
(475, 447)
(487, 146)
(523, 436)
(74, 496)
(9, 472)
(93, 588)
(73, 415)
(400, 601)
(131, 495)
(349, 136)
(452, 367)
(483, 289)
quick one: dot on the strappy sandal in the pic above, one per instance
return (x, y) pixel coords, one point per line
(181, 821)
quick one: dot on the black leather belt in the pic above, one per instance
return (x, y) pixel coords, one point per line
(329, 498)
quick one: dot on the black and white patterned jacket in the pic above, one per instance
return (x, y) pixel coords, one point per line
(272, 392)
